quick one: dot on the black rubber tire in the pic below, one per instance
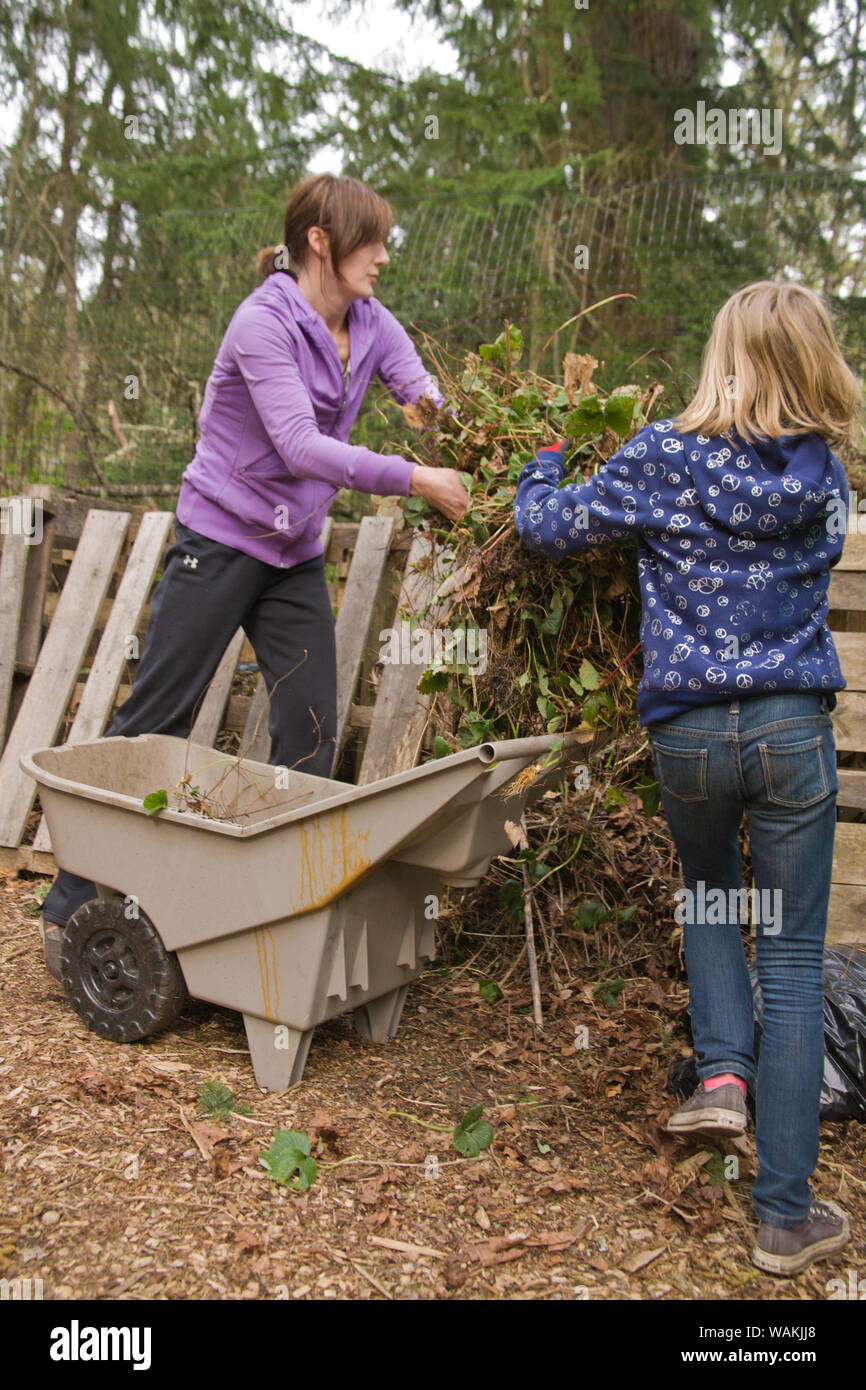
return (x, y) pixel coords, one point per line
(118, 975)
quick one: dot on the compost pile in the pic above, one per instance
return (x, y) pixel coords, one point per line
(562, 654)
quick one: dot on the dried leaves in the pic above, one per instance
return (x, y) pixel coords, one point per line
(111, 1183)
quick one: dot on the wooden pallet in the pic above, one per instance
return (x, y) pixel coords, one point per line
(94, 549)
(847, 916)
(97, 548)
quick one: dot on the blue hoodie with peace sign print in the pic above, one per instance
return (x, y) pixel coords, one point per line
(735, 545)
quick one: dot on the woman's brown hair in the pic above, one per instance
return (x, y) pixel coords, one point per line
(346, 209)
(772, 366)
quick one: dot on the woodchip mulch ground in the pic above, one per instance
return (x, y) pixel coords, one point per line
(114, 1186)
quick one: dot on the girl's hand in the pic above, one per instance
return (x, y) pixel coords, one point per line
(442, 488)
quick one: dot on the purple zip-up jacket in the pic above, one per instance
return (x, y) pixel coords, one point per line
(275, 418)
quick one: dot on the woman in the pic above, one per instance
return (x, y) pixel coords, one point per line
(286, 385)
(736, 506)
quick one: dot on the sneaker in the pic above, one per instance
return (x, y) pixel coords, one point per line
(52, 945)
(781, 1250)
(719, 1112)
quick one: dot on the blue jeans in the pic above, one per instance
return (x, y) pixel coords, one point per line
(772, 757)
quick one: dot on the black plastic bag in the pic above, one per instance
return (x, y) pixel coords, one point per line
(843, 1089)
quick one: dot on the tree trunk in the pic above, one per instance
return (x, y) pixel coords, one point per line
(74, 467)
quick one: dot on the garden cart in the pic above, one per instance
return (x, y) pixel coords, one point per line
(288, 897)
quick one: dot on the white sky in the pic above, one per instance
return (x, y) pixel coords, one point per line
(379, 35)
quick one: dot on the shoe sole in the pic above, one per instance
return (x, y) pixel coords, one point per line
(711, 1120)
(794, 1264)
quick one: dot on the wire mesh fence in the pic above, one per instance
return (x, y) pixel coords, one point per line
(460, 267)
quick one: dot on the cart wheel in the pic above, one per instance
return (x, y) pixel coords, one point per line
(118, 975)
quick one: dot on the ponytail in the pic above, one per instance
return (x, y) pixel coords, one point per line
(273, 258)
(346, 209)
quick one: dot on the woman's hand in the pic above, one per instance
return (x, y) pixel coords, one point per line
(442, 488)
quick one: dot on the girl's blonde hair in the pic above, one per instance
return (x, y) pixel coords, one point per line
(772, 366)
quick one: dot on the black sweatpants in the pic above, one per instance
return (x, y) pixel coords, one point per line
(206, 592)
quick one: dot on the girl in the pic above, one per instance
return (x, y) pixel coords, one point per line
(738, 506)
(286, 385)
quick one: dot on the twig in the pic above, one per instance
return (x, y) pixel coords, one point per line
(347, 1259)
(408, 1247)
(249, 1120)
(404, 1114)
(587, 310)
(116, 426)
(511, 969)
(392, 1163)
(370, 1280)
(193, 1135)
(530, 940)
(112, 490)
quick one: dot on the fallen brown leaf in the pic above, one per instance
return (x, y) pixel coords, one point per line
(207, 1135)
(222, 1165)
(246, 1239)
(413, 1153)
(641, 1259)
(455, 1273)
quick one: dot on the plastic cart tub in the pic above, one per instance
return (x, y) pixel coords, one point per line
(317, 898)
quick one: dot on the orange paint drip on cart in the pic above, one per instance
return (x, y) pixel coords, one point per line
(332, 858)
(268, 974)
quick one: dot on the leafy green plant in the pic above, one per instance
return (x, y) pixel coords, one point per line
(563, 631)
(415, 509)
(188, 796)
(610, 990)
(288, 1159)
(489, 990)
(217, 1101)
(41, 891)
(472, 1134)
(593, 415)
(511, 898)
(469, 1136)
(479, 730)
(508, 344)
(591, 913)
(650, 795)
(717, 1166)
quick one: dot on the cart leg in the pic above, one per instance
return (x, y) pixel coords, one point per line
(379, 1019)
(278, 1053)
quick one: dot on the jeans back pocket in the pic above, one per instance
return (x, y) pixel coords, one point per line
(682, 772)
(796, 774)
